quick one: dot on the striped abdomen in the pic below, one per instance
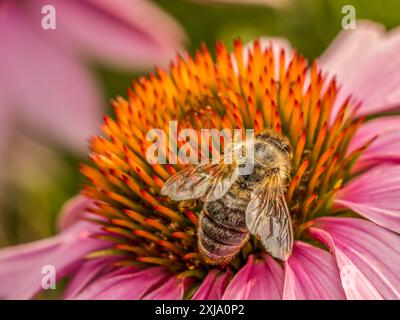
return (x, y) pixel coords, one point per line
(222, 230)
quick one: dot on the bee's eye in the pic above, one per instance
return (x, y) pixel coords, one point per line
(286, 148)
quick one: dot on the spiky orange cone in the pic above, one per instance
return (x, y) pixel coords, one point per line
(252, 90)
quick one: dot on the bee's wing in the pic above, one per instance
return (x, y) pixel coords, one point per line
(268, 217)
(207, 181)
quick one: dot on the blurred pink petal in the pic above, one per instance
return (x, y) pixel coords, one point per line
(131, 284)
(120, 33)
(4, 123)
(365, 62)
(6, 119)
(44, 83)
(21, 266)
(73, 210)
(367, 255)
(170, 289)
(386, 146)
(213, 286)
(374, 195)
(311, 274)
(55, 95)
(257, 280)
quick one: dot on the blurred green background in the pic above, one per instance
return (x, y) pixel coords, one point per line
(41, 177)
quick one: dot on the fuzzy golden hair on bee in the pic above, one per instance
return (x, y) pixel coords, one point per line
(279, 140)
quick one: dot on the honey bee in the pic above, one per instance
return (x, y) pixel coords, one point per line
(235, 204)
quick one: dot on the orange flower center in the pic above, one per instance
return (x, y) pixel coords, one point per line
(251, 89)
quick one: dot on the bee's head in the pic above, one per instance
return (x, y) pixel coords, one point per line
(280, 142)
(264, 152)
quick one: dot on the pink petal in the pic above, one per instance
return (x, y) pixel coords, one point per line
(385, 147)
(171, 289)
(6, 118)
(213, 286)
(367, 256)
(21, 266)
(128, 284)
(120, 33)
(374, 195)
(55, 95)
(88, 272)
(311, 274)
(365, 62)
(257, 280)
(5, 123)
(73, 210)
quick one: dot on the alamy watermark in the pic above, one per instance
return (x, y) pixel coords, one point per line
(49, 19)
(349, 20)
(49, 277)
(348, 275)
(188, 146)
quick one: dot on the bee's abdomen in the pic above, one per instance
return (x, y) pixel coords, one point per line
(232, 217)
(222, 232)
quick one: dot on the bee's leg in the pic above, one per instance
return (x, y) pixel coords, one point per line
(185, 205)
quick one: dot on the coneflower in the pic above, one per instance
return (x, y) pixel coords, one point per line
(341, 195)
